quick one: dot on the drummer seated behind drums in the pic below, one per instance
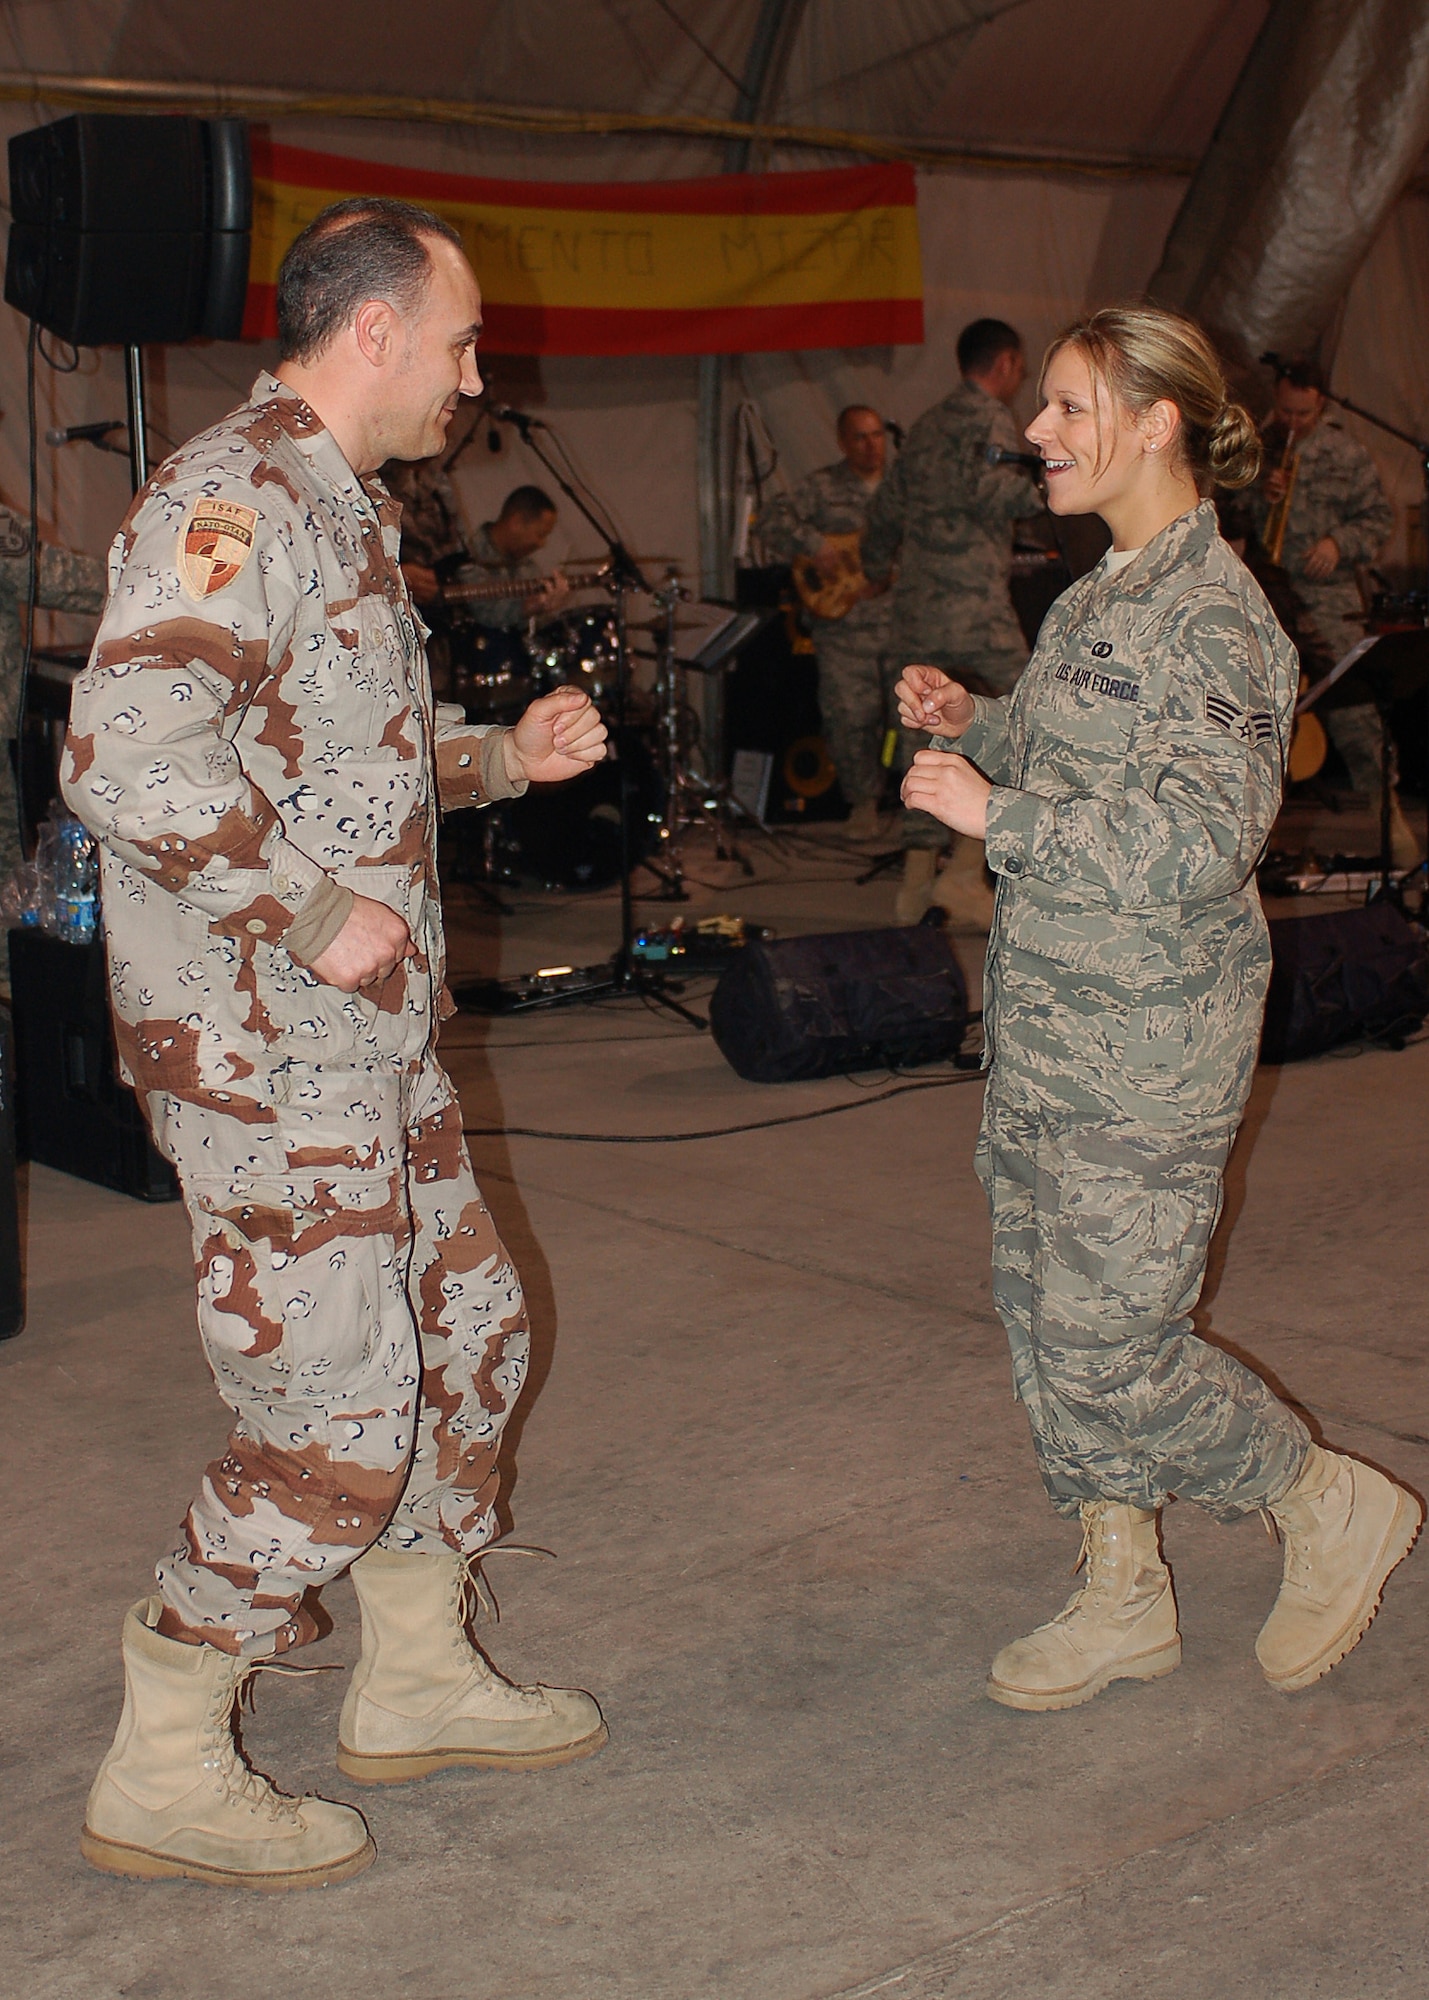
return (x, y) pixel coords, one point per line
(505, 548)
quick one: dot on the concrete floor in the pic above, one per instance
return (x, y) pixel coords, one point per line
(772, 1441)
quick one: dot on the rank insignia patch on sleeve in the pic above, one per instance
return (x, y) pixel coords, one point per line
(1257, 727)
(215, 542)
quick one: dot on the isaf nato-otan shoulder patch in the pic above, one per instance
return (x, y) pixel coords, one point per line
(215, 542)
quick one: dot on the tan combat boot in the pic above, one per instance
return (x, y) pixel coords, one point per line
(175, 1797)
(422, 1697)
(962, 888)
(920, 865)
(1121, 1625)
(862, 822)
(1403, 841)
(1345, 1527)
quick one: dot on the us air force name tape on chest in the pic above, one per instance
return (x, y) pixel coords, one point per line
(1090, 680)
(1256, 727)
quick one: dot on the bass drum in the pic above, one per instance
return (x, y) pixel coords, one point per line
(568, 836)
(488, 671)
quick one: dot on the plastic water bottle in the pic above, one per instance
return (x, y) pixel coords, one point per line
(71, 865)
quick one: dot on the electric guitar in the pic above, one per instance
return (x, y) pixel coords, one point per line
(831, 598)
(526, 586)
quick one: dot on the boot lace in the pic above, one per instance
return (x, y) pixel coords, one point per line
(474, 1601)
(234, 1776)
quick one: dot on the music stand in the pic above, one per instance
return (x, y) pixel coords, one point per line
(1393, 666)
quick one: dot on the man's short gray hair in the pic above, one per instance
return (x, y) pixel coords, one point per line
(370, 247)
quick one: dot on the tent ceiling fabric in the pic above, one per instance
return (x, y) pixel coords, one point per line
(1325, 127)
(1089, 76)
(1097, 79)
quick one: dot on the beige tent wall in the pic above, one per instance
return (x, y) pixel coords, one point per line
(1029, 249)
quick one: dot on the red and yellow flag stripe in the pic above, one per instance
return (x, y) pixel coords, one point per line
(736, 263)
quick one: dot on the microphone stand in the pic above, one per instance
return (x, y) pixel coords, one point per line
(626, 974)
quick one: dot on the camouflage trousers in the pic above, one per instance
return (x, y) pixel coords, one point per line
(985, 673)
(1100, 1232)
(851, 705)
(367, 1329)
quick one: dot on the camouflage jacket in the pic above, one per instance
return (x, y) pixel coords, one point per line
(254, 740)
(488, 565)
(1338, 492)
(1138, 768)
(831, 501)
(947, 515)
(67, 581)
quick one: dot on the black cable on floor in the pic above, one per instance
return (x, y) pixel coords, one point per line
(718, 1131)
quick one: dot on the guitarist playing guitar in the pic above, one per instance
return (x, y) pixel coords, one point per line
(816, 530)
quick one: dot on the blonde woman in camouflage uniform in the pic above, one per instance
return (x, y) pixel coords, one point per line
(1125, 791)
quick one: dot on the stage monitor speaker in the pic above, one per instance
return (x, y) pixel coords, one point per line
(1348, 976)
(12, 1287)
(72, 1110)
(790, 1008)
(131, 230)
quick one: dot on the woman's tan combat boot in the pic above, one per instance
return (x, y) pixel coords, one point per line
(1121, 1625)
(915, 891)
(962, 889)
(1345, 1527)
(175, 1797)
(422, 1697)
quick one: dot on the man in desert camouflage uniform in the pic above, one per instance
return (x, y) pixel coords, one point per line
(67, 581)
(946, 516)
(256, 748)
(1339, 519)
(834, 500)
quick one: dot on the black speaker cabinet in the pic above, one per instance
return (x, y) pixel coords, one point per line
(772, 705)
(790, 1008)
(73, 1111)
(12, 1289)
(131, 229)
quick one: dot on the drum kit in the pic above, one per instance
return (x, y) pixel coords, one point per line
(569, 836)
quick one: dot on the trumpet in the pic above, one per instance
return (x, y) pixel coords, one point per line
(1278, 518)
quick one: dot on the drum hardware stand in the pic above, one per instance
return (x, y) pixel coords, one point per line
(625, 974)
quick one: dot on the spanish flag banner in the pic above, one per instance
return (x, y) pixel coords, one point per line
(737, 263)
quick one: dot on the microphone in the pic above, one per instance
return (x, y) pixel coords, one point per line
(91, 433)
(895, 431)
(1028, 460)
(503, 415)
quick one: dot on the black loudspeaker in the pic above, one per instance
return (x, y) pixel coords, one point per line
(12, 1288)
(801, 1007)
(1348, 976)
(72, 1110)
(131, 230)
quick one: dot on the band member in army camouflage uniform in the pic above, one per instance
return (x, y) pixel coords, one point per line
(1339, 519)
(256, 748)
(946, 516)
(834, 501)
(1125, 792)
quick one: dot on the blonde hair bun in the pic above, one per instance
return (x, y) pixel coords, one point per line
(1233, 451)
